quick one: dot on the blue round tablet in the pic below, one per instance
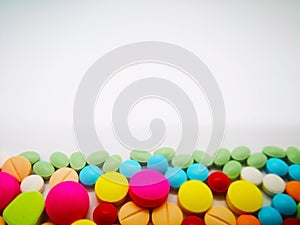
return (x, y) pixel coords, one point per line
(158, 163)
(285, 204)
(294, 172)
(277, 166)
(267, 215)
(197, 171)
(89, 175)
(176, 177)
(129, 167)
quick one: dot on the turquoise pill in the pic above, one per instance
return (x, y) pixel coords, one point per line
(285, 204)
(167, 152)
(273, 151)
(59, 160)
(112, 164)
(257, 160)
(129, 167)
(232, 169)
(89, 175)
(240, 153)
(158, 163)
(202, 157)
(176, 177)
(44, 169)
(77, 161)
(277, 166)
(294, 172)
(197, 171)
(267, 215)
(221, 157)
(97, 158)
(32, 156)
(293, 155)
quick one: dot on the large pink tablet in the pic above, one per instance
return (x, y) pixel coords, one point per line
(9, 189)
(149, 188)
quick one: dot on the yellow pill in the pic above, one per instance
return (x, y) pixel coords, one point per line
(112, 187)
(2, 221)
(167, 214)
(244, 197)
(219, 215)
(84, 222)
(132, 214)
(195, 196)
(48, 223)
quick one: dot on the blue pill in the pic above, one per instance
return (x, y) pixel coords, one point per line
(176, 177)
(89, 175)
(197, 171)
(158, 163)
(277, 166)
(129, 167)
(284, 204)
(267, 215)
(294, 172)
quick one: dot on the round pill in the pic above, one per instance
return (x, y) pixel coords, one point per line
(293, 155)
(197, 171)
(130, 167)
(291, 221)
(244, 197)
(277, 166)
(44, 169)
(2, 222)
(167, 214)
(83, 222)
(89, 175)
(9, 189)
(252, 175)
(284, 204)
(257, 160)
(63, 174)
(167, 152)
(17, 166)
(77, 161)
(195, 197)
(97, 158)
(218, 182)
(140, 156)
(112, 164)
(232, 169)
(132, 214)
(111, 187)
(176, 177)
(150, 192)
(292, 188)
(33, 183)
(105, 214)
(59, 160)
(202, 157)
(219, 215)
(182, 161)
(221, 157)
(3, 157)
(269, 216)
(246, 219)
(294, 172)
(274, 152)
(273, 184)
(158, 163)
(67, 198)
(192, 220)
(32, 156)
(240, 153)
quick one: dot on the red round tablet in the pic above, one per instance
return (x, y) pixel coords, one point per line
(291, 221)
(192, 220)
(218, 182)
(105, 214)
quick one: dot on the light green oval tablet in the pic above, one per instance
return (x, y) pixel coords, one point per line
(232, 169)
(257, 160)
(140, 156)
(273, 151)
(112, 164)
(293, 155)
(182, 161)
(44, 169)
(59, 160)
(32, 156)
(240, 153)
(202, 157)
(25, 209)
(221, 157)
(167, 152)
(77, 161)
(298, 211)
(97, 158)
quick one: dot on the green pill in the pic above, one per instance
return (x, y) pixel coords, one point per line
(202, 157)
(59, 160)
(232, 169)
(77, 161)
(257, 160)
(273, 151)
(240, 153)
(298, 211)
(112, 164)
(44, 169)
(182, 161)
(168, 153)
(97, 158)
(32, 156)
(221, 157)
(140, 156)
(293, 155)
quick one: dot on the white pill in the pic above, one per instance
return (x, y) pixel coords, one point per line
(33, 183)
(3, 157)
(252, 175)
(273, 184)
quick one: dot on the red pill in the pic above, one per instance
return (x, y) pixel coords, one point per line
(291, 221)
(192, 220)
(218, 182)
(105, 214)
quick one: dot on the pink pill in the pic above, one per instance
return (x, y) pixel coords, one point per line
(9, 189)
(149, 188)
(67, 202)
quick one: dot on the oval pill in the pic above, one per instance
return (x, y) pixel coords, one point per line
(252, 175)
(77, 161)
(219, 215)
(246, 219)
(32, 156)
(285, 204)
(167, 214)
(221, 157)
(18, 166)
(112, 163)
(167, 152)
(59, 160)
(202, 157)
(291, 221)
(140, 156)
(129, 167)
(277, 166)
(97, 158)
(240, 153)
(293, 155)
(63, 174)
(89, 175)
(294, 172)
(273, 184)
(257, 160)
(33, 183)
(44, 169)
(132, 214)
(292, 188)
(232, 169)
(182, 161)
(274, 152)
(269, 216)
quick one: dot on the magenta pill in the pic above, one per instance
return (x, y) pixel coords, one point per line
(9, 189)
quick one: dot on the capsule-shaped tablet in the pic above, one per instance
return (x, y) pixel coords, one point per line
(132, 214)
(219, 215)
(167, 214)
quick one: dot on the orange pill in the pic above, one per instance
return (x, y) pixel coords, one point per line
(17, 166)
(246, 219)
(2, 221)
(292, 188)
(61, 175)
(132, 214)
(219, 215)
(48, 223)
(167, 214)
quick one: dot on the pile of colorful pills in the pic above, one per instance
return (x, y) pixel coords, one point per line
(262, 188)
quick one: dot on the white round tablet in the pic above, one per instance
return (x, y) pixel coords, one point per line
(33, 183)
(3, 157)
(273, 184)
(252, 175)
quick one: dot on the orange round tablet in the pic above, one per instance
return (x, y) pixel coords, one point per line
(2, 221)
(292, 188)
(219, 215)
(63, 174)
(17, 166)
(246, 219)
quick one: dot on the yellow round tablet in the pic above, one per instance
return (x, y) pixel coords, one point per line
(112, 187)
(195, 196)
(84, 222)
(244, 197)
